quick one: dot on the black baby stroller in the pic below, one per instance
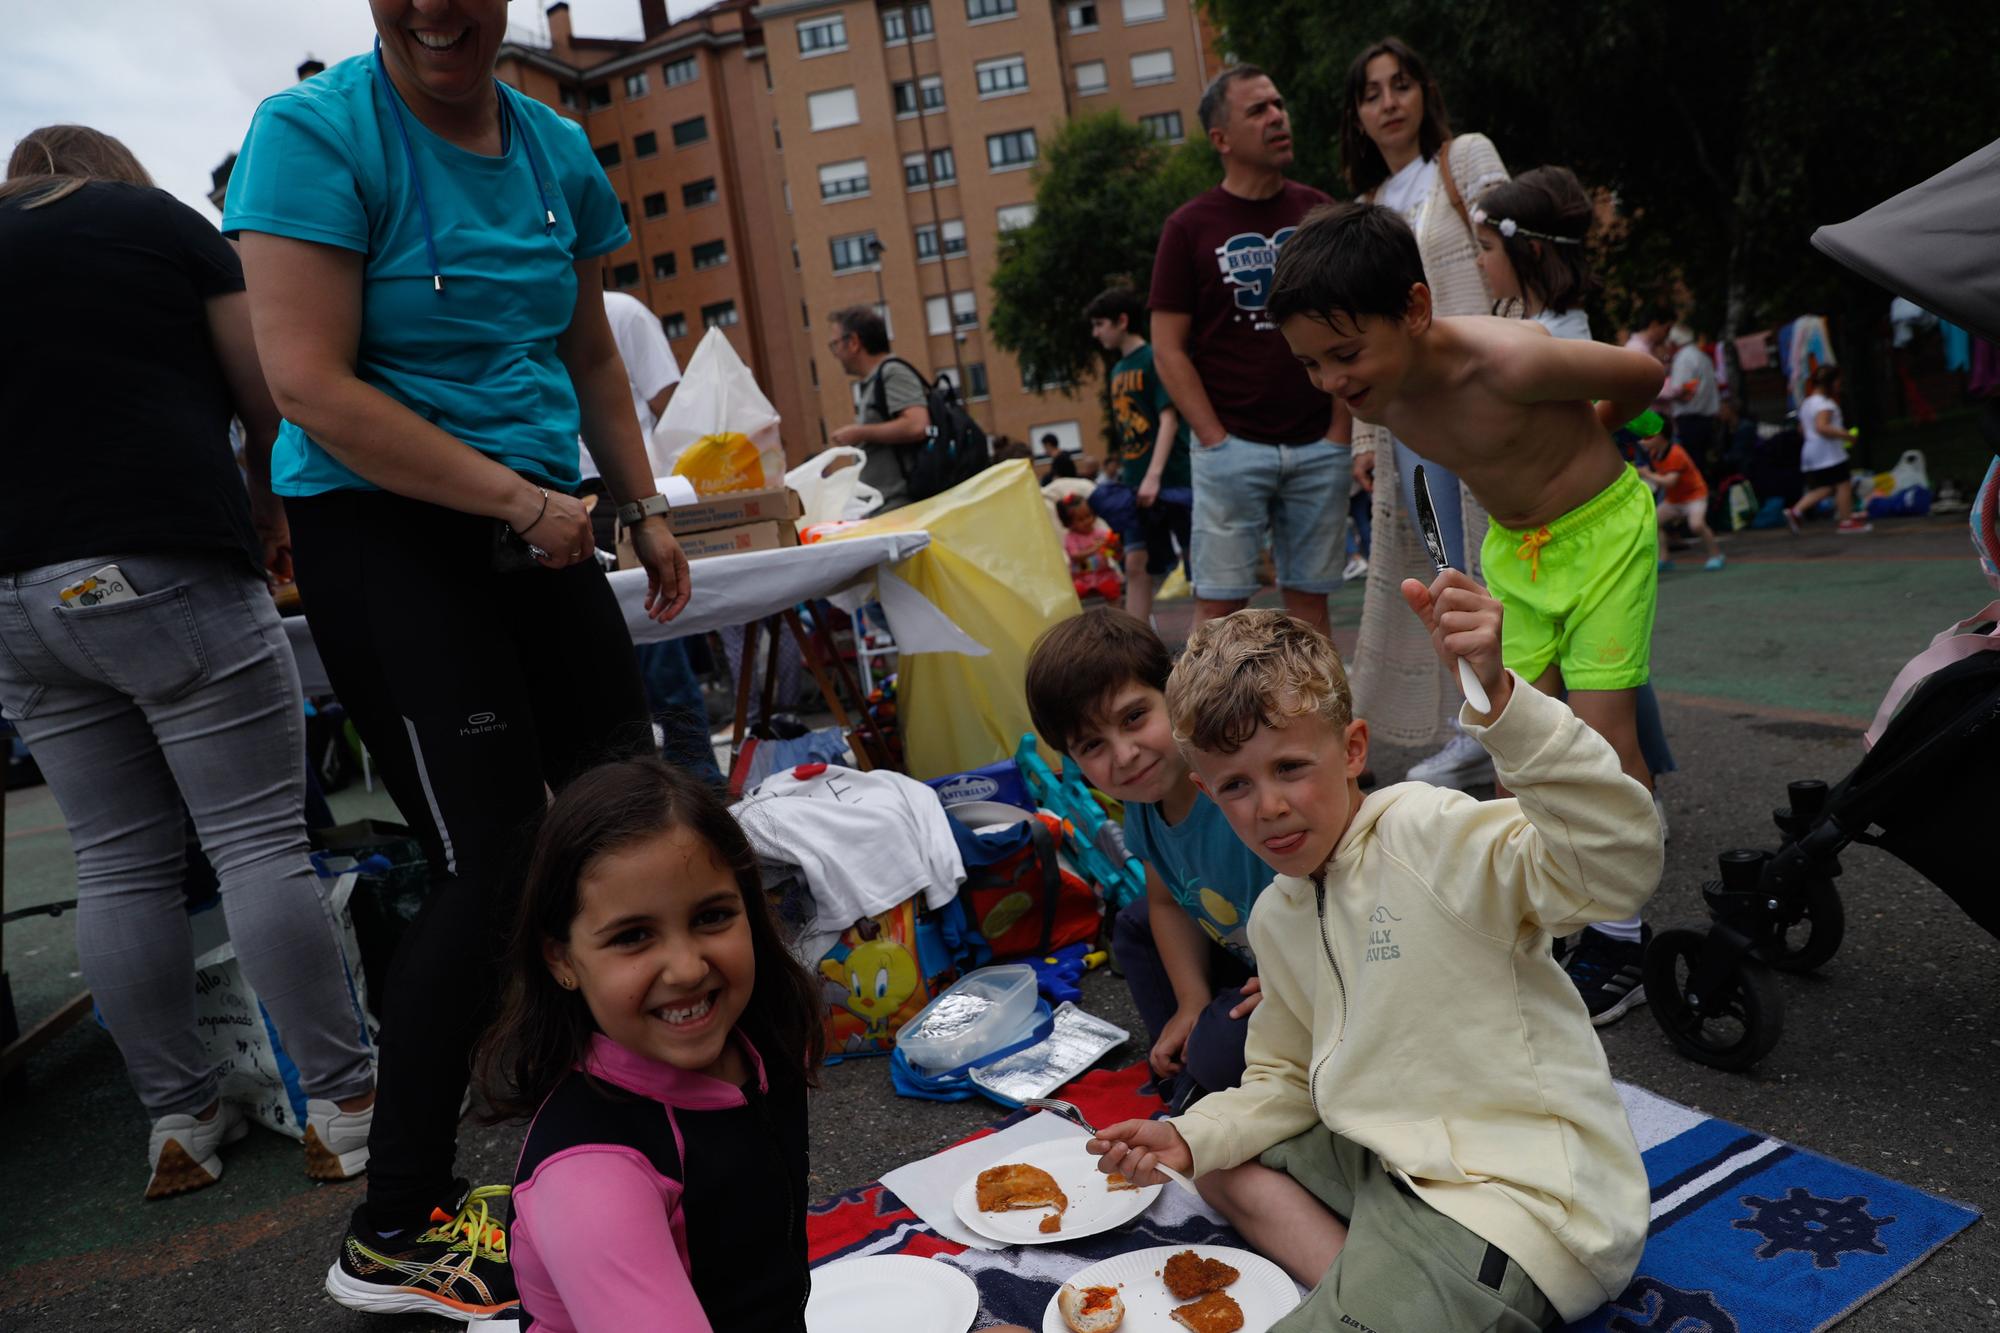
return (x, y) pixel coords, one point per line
(1931, 778)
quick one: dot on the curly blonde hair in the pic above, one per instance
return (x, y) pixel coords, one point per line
(1254, 669)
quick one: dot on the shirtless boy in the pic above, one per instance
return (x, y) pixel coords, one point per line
(1571, 549)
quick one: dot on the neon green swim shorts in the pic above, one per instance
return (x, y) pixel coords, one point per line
(1580, 592)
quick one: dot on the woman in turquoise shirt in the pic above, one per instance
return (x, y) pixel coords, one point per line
(421, 245)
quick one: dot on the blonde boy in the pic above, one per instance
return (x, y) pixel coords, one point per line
(1426, 1127)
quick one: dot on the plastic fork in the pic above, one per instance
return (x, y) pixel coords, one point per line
(1068, 1111)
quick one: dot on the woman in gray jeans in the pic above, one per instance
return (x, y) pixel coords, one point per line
(141, 656)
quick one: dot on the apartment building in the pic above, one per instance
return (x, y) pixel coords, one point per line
(679, 118)
(780, 161)
(910, 132)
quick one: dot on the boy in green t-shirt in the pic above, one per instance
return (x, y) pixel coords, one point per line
(1150, 500)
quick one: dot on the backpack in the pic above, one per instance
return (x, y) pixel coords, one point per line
(1018, 898)
(955, 447)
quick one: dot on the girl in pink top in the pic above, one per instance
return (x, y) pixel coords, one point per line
(663, 1039)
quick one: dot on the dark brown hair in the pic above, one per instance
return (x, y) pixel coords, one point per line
(864, 323)
(1077, 663)
(1550, 200)
(1823, 377)
(1213, 109)
(1351, 259)
(1360, 159)
(57, 160)
(543, 1030)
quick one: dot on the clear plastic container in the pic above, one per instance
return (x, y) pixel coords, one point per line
(982, 1012)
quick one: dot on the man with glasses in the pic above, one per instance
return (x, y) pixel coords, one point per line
(895, 412)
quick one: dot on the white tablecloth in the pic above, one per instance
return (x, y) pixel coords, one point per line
(736, 589)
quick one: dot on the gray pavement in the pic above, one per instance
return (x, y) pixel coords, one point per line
(1890, 1058)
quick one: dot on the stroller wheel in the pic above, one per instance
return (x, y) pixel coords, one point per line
(1730, 1026)
(1808, 934)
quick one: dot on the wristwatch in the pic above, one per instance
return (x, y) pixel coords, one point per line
(638, 511)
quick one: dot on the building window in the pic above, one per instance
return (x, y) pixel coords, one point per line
(1091, 77)
(928, 246)
(964, 311)
(1013, 217)
(597, 96)
(978, 11)
(832, 109)
(843, 180)
(819, 36)
(813, 367)
(853, 252)
(665, 266)
(718, 316)
(795, 256)
(624, 212)
(690, 131)
(711, 254)
(1083, 16)
(636, 84)
(696, 193)
(1015, 148)
(678, 72)
(1068, 437)
(943, 169)
(654, 205)
(674, 325)
(1166, 125)
(645, 145)
(786, 187)
(607, 154)
(975, 375)
(625, 275)
(1144, 11)
(1152, 67)
(998, 78)
(930, 89)
(571, 98)
(937, 315)
(899, 24)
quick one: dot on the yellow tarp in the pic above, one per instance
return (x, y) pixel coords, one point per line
(997, 569)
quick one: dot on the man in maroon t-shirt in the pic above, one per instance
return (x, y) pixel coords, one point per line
(1271, 460)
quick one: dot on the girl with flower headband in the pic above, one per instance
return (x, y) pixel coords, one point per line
(1531, 232)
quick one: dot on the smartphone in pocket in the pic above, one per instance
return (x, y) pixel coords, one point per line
(107, 585)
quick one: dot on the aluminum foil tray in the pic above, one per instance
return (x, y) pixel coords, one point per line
(1076, 1042)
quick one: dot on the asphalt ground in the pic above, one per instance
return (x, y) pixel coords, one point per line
(1769, 670)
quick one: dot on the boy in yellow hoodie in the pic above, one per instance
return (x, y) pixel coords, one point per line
(1426, 1128)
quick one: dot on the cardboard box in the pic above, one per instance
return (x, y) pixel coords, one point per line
(732, 510)
(768, 536)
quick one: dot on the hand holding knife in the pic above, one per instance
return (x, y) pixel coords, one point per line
(1475, 693)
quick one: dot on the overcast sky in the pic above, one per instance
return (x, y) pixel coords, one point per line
(177, 80)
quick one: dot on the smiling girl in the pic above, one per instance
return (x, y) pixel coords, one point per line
(663, 1040)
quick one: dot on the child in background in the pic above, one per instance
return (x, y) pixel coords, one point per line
(1426, 1132)
(1150, 500)
(663, 1039)
(1088, 546)
(1094, 687)
(1823, 459)
(1572, 546)
(1683, 495)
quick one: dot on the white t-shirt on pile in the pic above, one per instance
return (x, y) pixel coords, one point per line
(863, 841)
(1409, 189)
(1821, 451)
(648, 357)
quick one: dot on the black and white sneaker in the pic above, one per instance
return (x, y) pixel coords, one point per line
(1609, 973)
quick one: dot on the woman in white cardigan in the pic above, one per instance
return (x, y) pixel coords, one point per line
(1398, 151)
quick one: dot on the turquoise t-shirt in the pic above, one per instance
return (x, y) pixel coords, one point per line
(324, 162)
(1211, 874)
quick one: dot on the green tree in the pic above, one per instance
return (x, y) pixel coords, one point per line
(1727, 132)
(1104, 187)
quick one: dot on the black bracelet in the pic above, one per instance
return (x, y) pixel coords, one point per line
(543, 513)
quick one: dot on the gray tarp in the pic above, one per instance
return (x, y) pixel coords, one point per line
(1937, 243)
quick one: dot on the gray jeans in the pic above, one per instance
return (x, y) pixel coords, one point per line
(186, 694)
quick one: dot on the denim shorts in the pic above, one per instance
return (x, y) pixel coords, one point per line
(1155, 529)
(1293, 494)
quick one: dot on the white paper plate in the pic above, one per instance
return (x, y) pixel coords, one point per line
(1093, 1205)
(1264, 1292)
(903, 1292)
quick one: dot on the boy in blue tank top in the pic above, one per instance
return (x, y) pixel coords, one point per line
(1096, 690)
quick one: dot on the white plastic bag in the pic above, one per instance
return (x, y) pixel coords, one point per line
(1910, 471)
(719, 431)
(830, 487)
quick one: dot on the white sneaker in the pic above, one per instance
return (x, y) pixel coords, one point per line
(1356, 567)
(336, 1140)
(1462, 763)
(186, 1153)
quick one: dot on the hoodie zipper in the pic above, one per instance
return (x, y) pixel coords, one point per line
(1319, 901)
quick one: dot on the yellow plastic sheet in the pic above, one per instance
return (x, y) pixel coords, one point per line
(997, 569)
